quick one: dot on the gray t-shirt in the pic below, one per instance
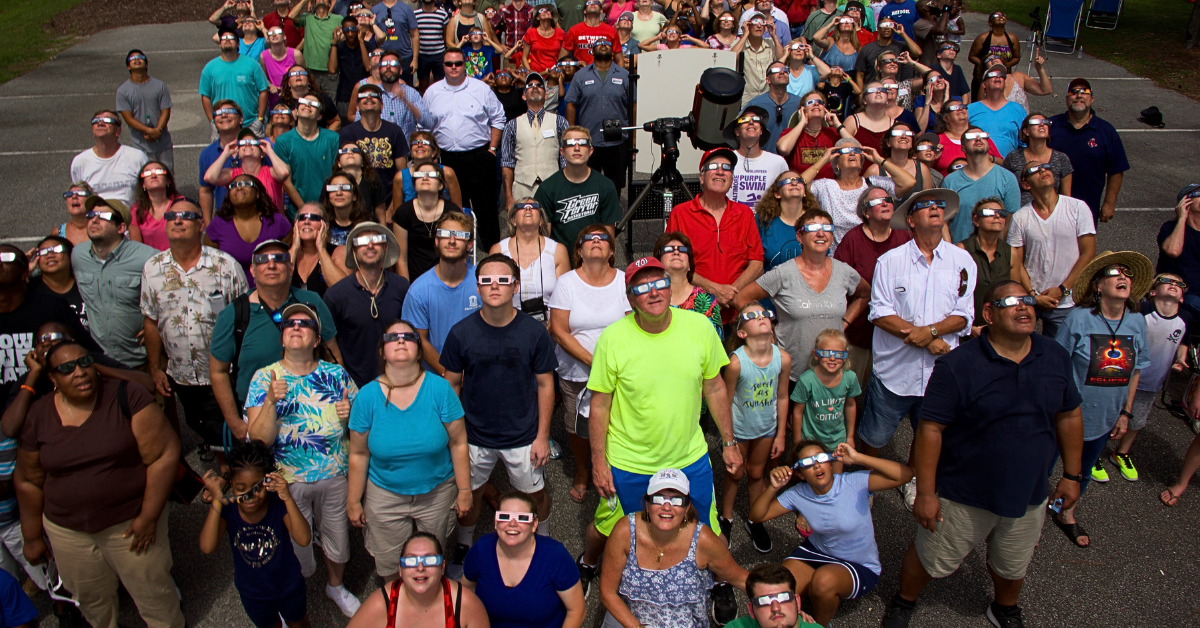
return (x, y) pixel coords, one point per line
(145, 102)
(803, 312)
(1060, 165)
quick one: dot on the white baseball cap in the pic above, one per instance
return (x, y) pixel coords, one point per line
(669, 478)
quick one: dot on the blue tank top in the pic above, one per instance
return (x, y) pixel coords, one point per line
(833, 56)
(265, 566)
(754, 400)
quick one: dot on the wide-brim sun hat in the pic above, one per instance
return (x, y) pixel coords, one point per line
(950, 197)
(393, 247)
(730, 130)
(1143, 273)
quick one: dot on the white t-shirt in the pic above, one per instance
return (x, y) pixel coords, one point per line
(591, 310)
(843, 204)
(1052, 245)
(115, 177)
(1163, 336)
(752, 177)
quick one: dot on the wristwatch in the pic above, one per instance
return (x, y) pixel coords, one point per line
(933, 331)
(1066, 292)
(729, 443)
(1073, 478)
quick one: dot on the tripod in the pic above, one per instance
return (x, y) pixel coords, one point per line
(666, 179)
(1037, 38)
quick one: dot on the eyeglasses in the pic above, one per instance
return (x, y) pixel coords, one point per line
(955, 107)
(297, 323)
(52, 336)
(170, 216)
(244, 183)
(820, 458)
(499, 280)
(266, 258)
(811, 102)
(876, 90)
(366, 240)
(674, 249)
(1040, 122)
(988, 212)
(104, 120)
(274, 31)
(848, 150)
(763, 601)
(109, 216)
(901, 133)
(830, 353)
(645, 288)
(451, 64)
(226, 111)
(977, 135)
(577, 141)
(66, 368)
(519, 517)
(297, 73)
(745, 119)
(1163, 279)
(446, 233)
(927, 204)
(315, 104)
(253, 490)
(57, 248)
(659, 500)
(1081, 90)
(412, 562)
(1032, 170)
(790, 181)
(1113, 271)
(401, 336)
(876, 202)
(248, 142)
(922, 147)
(349, 151)
(749, 316)
(156, 171)
(595, 236)
(722, 166)
(309, 217)
(75, 193)
(1013, 301)
(814, 227)
(339, 187)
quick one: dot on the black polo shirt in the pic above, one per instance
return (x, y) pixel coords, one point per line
(358, 330)
(1000, 439)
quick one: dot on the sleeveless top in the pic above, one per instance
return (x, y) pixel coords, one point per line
(461, 29)
(538, 280)
(62, 230)
(1005, 51)
(755, 414)
(315, 281)
(867, 137)
(453, 609)
(1019, 96)
(276, 70)
(676, 597)
(833, 56)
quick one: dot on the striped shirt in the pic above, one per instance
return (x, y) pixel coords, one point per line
(8, 461)
(431, 28)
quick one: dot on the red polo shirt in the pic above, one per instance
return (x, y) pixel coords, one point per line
(721, 251)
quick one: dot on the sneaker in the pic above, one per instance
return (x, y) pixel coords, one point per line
(1125, 466)
(909, 492)
(587, 575)
(1098, 473)
(555, 450)
(759, 537)
(1005, 619)
(723, 604)
(896, 617)
(726, 526)
(454, 570)
(344, 599)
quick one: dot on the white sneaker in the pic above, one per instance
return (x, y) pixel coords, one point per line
(344, 599)
(909, 491)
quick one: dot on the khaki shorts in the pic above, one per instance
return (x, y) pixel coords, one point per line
(521, 472)
(323, 504)
(1010, 541)
(575, 424)
(392, 518)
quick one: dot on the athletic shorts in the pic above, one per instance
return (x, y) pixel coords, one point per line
(521, 473)
(631, 493)
(864, 579)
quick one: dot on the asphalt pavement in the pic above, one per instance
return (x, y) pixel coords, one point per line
(1141, 570)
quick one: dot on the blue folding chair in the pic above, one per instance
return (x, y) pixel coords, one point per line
(1062, 26)
(1104, 14)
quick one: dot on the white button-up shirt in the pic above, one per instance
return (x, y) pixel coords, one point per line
(923, 294)
(464, 115)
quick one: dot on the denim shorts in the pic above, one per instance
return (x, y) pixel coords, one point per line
(882, 412)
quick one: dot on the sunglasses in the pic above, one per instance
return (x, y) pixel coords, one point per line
(577, 141)
(595, 237)
(876, 90)
(987, 212)
(375, 54)
(57, 248)
(711, 167)
(52, 336)
(949, 47)
(267, 258)
(452, 64)
(749, 316)
(349, 29)
(815, 227)
(1113, 271)
(820, 458)
(1032, 170)
(996, 74)
(499, 280)
(244, 183)
(1006, 302)
(659, 500)
(790, 181)
(412, 562)
(421, 143)
(136, 58)
(297, 73)
(1040, 122)
(349, 151)
(926, 147)
(527, 206)
(534, 85)
(401, 336)
(109, 216)
(830, 353)
(645, 288)
(159, 171)
(315, 104)
(339, 187)
(247, 142)
(171, 216)
(876, 202)
(976, 135)
(811, 102)
(228, 37)
(369, 95)
(296, 323)
(927, 204)
(676, 249)
(763, 601)
(1162, 279)
(365, 240)
(848, 150)
(427, 174)
(75, 193)
(901, 133)
(1081, 90)
(745, 119)
(309, 218)
(568, 64)
(66, 368)
(889, 61)
(519, 517)
(957, 167)
(226, 111)
(274, 31)
(104, 120)
(446, 233)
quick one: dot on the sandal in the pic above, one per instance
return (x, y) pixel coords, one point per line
(1169, 499)
(578, 494)
(1072, 530)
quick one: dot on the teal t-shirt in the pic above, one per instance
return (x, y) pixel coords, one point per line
(825, 408)
(240, 80)
(311, 161)
(410, 448)
(748, 621)
(261, 345)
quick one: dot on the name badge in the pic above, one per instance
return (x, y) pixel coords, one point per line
(588, 82)
(548, 133)
(618, 81)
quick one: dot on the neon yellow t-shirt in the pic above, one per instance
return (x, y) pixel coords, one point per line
(656, 381)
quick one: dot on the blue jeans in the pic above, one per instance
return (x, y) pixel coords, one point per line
(1091, 453)
(883, 411)
(1051, 319)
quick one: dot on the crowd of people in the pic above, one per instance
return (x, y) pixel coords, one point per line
(417, 201)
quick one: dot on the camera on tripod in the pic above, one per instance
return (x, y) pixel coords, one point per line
(664, 131)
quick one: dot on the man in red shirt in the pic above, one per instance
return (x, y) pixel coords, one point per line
(279, 17)
(804, 144)
(580, 37)
(725, 243)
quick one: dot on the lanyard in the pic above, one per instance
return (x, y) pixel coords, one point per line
(1113, 332)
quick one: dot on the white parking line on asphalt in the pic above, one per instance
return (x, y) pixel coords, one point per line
(22, 153)
(1145, 209)
(1158, 130)
(78, 95)
(20, 240)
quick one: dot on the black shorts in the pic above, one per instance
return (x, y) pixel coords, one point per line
(201, 412)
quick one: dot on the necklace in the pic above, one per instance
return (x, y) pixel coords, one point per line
(658, 549)
(382, 379)
(67, 405)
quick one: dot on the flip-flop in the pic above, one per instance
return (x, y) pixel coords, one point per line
(1170, 501)
(578, 494)
(1072, 530)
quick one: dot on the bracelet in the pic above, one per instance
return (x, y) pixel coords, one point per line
(1073, 478)
(845, 321)
(840, 127)
(1126, 413)
(30, 389)
(729, 443)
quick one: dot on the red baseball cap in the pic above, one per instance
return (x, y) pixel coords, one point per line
(639, 265)
(720, 151)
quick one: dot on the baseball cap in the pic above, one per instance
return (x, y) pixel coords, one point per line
(113, 204)
(1187, 189)
(720, 151)
(639, 265)
(1079, 82)
(669, 478)
(927, 137)
(265, 243)
(302, 308)
(370, 87)
(534, 76)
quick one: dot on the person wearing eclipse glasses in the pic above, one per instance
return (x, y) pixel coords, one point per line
(144, 102)
(111, 168)
(1095, 149)
(773, 602)
(232, 76)
(577, 195)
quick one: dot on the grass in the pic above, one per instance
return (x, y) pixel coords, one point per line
(1148, 40)
(27, 42)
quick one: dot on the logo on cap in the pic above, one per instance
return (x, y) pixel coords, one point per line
(641, 262)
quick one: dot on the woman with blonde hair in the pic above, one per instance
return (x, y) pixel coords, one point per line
(777, 212)
(541, 260)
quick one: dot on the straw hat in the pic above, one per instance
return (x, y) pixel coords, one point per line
(393, 247)
(1138, 264)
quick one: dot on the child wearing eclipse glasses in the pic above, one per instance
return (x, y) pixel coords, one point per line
(824, 407)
